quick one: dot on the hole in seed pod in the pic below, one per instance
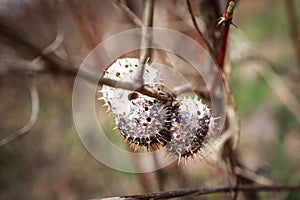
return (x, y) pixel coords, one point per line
(198, 112)
(148, 118)
(118, 74)
(126, 65)
(146, 109)
(133, 95)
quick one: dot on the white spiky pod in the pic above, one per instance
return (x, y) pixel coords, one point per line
(126, 70)
(147, 122)
(140, 119)
(190, 128)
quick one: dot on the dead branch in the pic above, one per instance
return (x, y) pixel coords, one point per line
(294, 29)
(276, 82)
(131, 15)
(64, 67)
(20, 66)
(32, 120)
(183, 192)
(280, 89)
(207, 45)
(146, 38)
(58, 40)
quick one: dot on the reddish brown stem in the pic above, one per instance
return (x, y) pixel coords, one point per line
(223, 44)
(226, 22)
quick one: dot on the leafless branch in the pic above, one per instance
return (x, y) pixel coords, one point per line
(294, 29)
(146, 38)
(20, 66)
(26, 67)
(207, 45)
(64, 67)
(256, 178)
(279, 87)
(233, 103)
(131, 15)
(32, 120)
(183, 192)
(277, 83)
(59, 38)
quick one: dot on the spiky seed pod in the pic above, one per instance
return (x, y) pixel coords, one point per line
(183, 125)
(147, 123)
(126, 70)
(190, 128)
(143, 121)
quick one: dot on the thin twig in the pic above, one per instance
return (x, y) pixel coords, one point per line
(56, 63)
(26, 66)
(146, 38)
(183, 192)
(294, 29)
(259, 179)
(32, 120)
(23, 66)
(79, 12)
(207, 45)
(233, 103)
(67, 68)
(276, 82)
(20, 66)
(59, 38)
(280, 89)
(131, 15)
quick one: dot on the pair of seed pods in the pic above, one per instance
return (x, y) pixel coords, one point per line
(182, 125)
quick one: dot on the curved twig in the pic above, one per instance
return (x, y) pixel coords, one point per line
(58, 40)
(32, 120)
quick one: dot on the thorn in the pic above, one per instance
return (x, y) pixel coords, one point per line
(159, 141)
(147, 60)
(220, 20)
(234, 25)
(179, 161)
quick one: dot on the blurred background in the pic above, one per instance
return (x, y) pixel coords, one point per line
(42, 43)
